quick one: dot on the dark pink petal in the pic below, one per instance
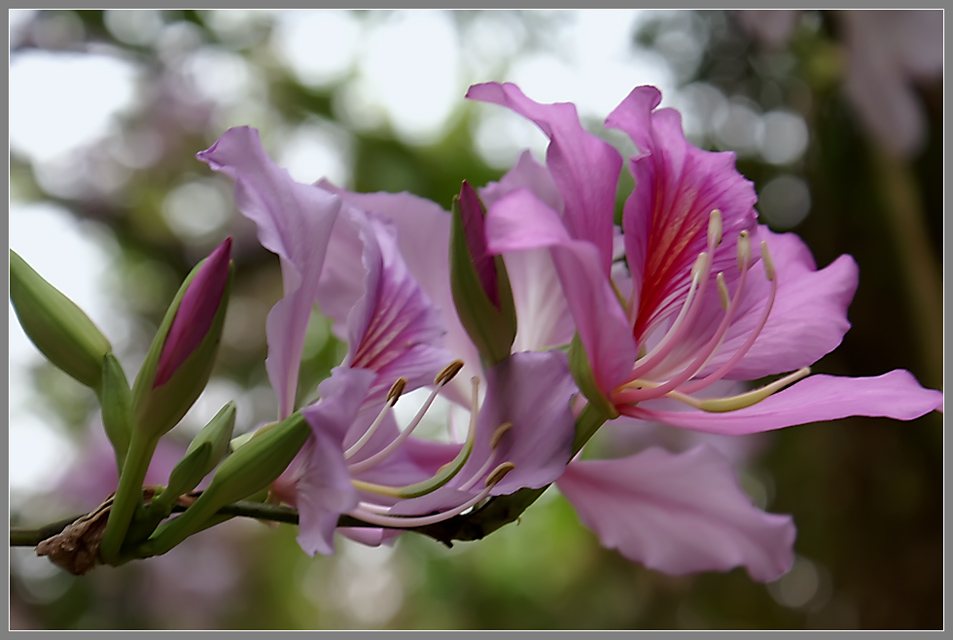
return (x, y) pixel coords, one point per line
(195, 314)
(520, 222)
(294, 221)
(394, 329)
(679, 513)
(896, 395)
(531, 391)
(323, 491)
(584, 167)
(666, 218)
(809, 316)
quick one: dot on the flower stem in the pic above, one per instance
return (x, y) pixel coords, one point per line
(128, 496)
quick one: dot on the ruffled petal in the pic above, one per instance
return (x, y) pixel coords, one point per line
(423, 238)
(521, 222)
(324, 491)
(531, 391)
(809, 316)
(584, 167)
(394, 329)
(896, 395)
(679, 513)
(294, 221)
(666, 218)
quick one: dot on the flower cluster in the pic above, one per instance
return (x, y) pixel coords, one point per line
(637, 322)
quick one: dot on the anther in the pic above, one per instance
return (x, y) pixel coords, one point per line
(744, 250)
(395, 391)
(723, 294)
(714, 228)
(768, 262)
(497, 474)
(701, 264)
(448, 372)
(498, 434)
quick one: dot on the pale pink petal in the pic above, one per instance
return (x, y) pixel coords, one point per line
(526, 173)
(294, 221)
(520, 222)
(584, 167)
(896, 395)
(679, 513)
(394, 329)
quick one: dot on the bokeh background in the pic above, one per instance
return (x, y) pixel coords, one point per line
(836, 117)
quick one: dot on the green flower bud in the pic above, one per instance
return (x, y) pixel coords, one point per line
(251, 468)
(182, 355)
(115, 398)
(479, 282)
(58, 328)
(204, 452)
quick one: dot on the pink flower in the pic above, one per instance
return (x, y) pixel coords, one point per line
(677, 305)
(346, 256)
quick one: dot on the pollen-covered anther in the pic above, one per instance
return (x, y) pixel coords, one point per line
(498, 434)
(498, 474)
(448, 372)
(396, 390)
(714, 228)
(768, 262)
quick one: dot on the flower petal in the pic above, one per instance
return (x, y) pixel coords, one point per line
(896, 395)
(809, 316)
(519, 222)
(294, 221)
(324, 491)
(423, 236)
(531, 391)
(584, 167)
(679, 513)
(394, 329)
(666, 218)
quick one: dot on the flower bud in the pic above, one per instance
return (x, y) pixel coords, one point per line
(58, 328)
(180, 361)
(115, 399)
(479, 282)
(251, 468)
(204, 452)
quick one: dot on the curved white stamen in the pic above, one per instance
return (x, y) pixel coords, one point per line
(701, 383)
(392, 396)
(700, 273)
(376, 518)
(642, 390)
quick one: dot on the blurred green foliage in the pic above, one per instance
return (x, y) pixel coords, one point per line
(866, 494)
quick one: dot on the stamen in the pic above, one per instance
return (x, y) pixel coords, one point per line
(695, 385)
(448, 372)
(417, 521)
(372, 513)
(744, 400)
(723, 296)
(498, 474)
(494, 442)
(714, 228)
(498, 434)
(768, 262)
(744, 250)
(371, 430)
(700, 271)
(396, 390)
